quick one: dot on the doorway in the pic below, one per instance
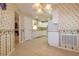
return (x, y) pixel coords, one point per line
(16, 29)
(39, 28)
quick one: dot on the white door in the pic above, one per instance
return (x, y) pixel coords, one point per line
(27, 28)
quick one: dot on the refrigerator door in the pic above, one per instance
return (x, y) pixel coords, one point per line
(53, 39)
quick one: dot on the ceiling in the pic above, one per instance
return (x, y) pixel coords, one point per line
(28, 9)
(25, 7)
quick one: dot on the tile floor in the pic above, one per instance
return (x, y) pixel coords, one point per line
(40, 47)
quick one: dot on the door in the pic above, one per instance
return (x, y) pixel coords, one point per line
(27, 28)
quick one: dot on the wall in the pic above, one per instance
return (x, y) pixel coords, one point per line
(7, 44)
(68, 16)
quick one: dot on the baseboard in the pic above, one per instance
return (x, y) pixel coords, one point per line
(11, 52)
(77, 51)
(68, 49)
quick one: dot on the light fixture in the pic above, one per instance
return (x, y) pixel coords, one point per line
(40, 8)
(37, 6)
(43, 11)
(35, 27)
(48, 9)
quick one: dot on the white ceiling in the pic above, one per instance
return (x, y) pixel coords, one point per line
(27, 8)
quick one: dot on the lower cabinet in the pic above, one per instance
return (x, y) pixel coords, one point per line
(7, 44)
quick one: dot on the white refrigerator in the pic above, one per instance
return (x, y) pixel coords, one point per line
(53, 34)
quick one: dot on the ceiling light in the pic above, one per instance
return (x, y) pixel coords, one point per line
(37, 6)
(40, 8)
(48, 7)
(35, 27)
(44, 10)
(39, 11)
